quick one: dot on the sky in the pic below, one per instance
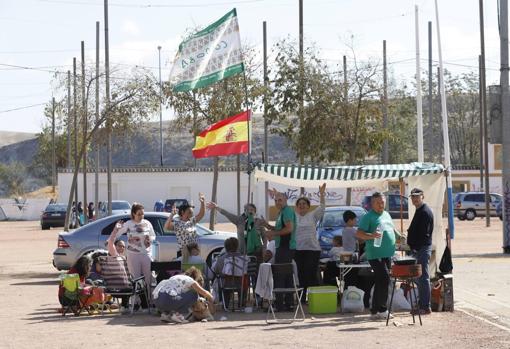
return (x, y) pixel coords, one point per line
(38, 37)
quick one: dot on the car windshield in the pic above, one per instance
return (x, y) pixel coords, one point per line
(120, 205)
(56, 208)
(335, 219)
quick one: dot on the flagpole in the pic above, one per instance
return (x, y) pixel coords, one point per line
(446, 138)
(249, 130)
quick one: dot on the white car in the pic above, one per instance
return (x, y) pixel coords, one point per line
(118, 207)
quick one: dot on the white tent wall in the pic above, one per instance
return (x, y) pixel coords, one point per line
(434, 187)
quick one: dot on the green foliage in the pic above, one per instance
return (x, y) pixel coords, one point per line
(12, 179)
(338, 122)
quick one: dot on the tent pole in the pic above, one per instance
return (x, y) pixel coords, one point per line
(401, 180)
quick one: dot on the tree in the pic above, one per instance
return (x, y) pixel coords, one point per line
(134, 98)
(334, 127)
(12, 179)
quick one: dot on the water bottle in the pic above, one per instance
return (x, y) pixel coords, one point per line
(155, 250)
(378, 241)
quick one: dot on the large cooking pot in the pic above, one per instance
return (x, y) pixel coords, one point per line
(405, 261)
(406, 271)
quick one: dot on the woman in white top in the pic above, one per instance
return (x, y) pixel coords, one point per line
(175, 296)
(308, 250)
(140, 235)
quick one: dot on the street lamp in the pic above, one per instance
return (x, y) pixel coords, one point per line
(160, 110)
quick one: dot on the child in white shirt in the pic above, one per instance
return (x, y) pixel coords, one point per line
(337, 248)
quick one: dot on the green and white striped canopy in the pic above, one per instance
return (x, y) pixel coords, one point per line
(343, 176)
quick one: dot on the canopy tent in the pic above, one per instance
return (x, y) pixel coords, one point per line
(427, 176)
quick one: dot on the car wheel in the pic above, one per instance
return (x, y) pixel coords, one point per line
(470, 215)
(45, 227)
(461, 218)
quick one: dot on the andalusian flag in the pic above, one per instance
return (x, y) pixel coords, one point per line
(209, 55)
(226, 137)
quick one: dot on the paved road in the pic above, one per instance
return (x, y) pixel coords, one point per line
(482, 272)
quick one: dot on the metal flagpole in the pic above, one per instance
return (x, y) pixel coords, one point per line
(446, 138)
(418, 89)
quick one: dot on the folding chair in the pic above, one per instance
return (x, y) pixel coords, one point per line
(118, 282)
(285, 270)
(252, 273)
(71, 296)
(233, 279)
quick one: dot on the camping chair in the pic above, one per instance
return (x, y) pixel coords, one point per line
(285, 270)
(71, 296)
(118, 282)
(233, 279)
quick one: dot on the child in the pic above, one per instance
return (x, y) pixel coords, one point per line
(349, 232)
(337, 248)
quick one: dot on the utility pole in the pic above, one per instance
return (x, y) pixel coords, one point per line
(266, 86)
(160, 110)
(301, 82)
(484, 118)
(480, 98)
(108, 117)
(96, 138)
(418, 90)
(348, 191)
(431, 121)
(385, 157)
(85, 126)
(75, 116)
(68, 119)
(53, 156)
(505, 113)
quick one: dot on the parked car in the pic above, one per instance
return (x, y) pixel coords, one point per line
(54, 215)
(169, 203)
(93, 236)
(499, 209)
(118, 207)
(469, 205)
(392, 205)
(332, 224)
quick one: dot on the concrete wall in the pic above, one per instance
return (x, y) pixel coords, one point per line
(22, 210)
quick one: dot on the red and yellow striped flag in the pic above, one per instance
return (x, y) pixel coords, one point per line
(226, 137)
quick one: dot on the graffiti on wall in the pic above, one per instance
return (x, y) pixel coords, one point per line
(332, 196)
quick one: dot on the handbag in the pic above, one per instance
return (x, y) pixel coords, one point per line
(446, 264)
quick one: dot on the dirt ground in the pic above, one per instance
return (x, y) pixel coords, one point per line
(28, 290)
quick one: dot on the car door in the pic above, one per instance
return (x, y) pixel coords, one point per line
(494, 204)
(167, 240)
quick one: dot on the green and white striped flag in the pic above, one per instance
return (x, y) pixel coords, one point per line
(209, 55)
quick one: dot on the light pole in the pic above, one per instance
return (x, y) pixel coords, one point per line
(160, 109)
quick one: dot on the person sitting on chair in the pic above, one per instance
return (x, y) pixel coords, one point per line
(82, 268)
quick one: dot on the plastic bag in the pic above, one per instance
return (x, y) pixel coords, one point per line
(400, 300)
(352, 300)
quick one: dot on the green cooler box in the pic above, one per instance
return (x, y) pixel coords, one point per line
(322, 299)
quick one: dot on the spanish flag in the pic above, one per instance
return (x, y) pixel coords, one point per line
(226, 137)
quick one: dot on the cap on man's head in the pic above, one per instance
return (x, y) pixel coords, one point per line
(416, 192)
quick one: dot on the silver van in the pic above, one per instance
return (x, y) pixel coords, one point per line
(470, 205)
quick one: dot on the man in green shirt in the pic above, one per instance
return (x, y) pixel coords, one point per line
(284, 234)
(378, 231)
